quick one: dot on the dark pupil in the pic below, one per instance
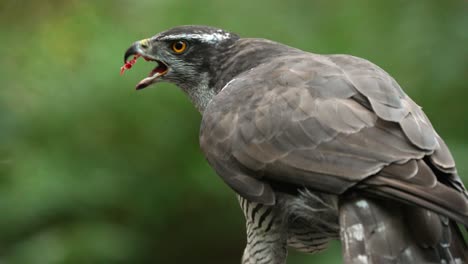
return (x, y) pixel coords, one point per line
(179, 45)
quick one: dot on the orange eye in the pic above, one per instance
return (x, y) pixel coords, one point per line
(179, 46)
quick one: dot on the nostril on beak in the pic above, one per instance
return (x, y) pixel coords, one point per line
(144, 44)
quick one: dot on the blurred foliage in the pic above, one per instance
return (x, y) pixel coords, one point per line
(93, 172)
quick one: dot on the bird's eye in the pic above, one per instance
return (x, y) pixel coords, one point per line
(179, 46)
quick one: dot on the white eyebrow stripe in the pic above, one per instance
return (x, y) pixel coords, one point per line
(203, 37)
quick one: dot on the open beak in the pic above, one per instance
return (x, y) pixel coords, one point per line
(138, 50)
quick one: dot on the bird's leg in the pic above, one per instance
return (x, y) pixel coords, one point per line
(266, 234)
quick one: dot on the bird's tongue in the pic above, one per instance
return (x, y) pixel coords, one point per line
(160, 70)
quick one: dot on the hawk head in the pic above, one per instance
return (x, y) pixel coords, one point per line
(184, 55)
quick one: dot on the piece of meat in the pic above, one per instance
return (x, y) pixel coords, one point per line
(128, 65)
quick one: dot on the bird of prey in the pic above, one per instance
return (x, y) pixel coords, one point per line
(317, 147)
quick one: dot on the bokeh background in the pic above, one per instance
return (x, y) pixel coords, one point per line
(93, 172)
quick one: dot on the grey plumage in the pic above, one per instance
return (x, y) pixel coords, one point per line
(381, 231)
(294, 133)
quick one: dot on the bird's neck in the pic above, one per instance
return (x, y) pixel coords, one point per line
(200, 94)
(241, 56)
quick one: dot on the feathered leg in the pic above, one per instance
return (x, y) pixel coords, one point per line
(266, 235)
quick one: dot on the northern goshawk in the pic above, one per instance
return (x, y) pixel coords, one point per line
(317, 147)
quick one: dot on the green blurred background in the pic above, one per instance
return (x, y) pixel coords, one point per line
(93, 172)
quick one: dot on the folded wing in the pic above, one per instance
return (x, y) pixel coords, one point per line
(329, 123)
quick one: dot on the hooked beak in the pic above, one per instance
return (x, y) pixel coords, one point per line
(133, 50)
(139, 49)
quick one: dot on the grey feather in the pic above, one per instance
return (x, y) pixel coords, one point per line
(380, 231)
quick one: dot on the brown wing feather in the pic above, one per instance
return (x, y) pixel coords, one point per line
(328, 123)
